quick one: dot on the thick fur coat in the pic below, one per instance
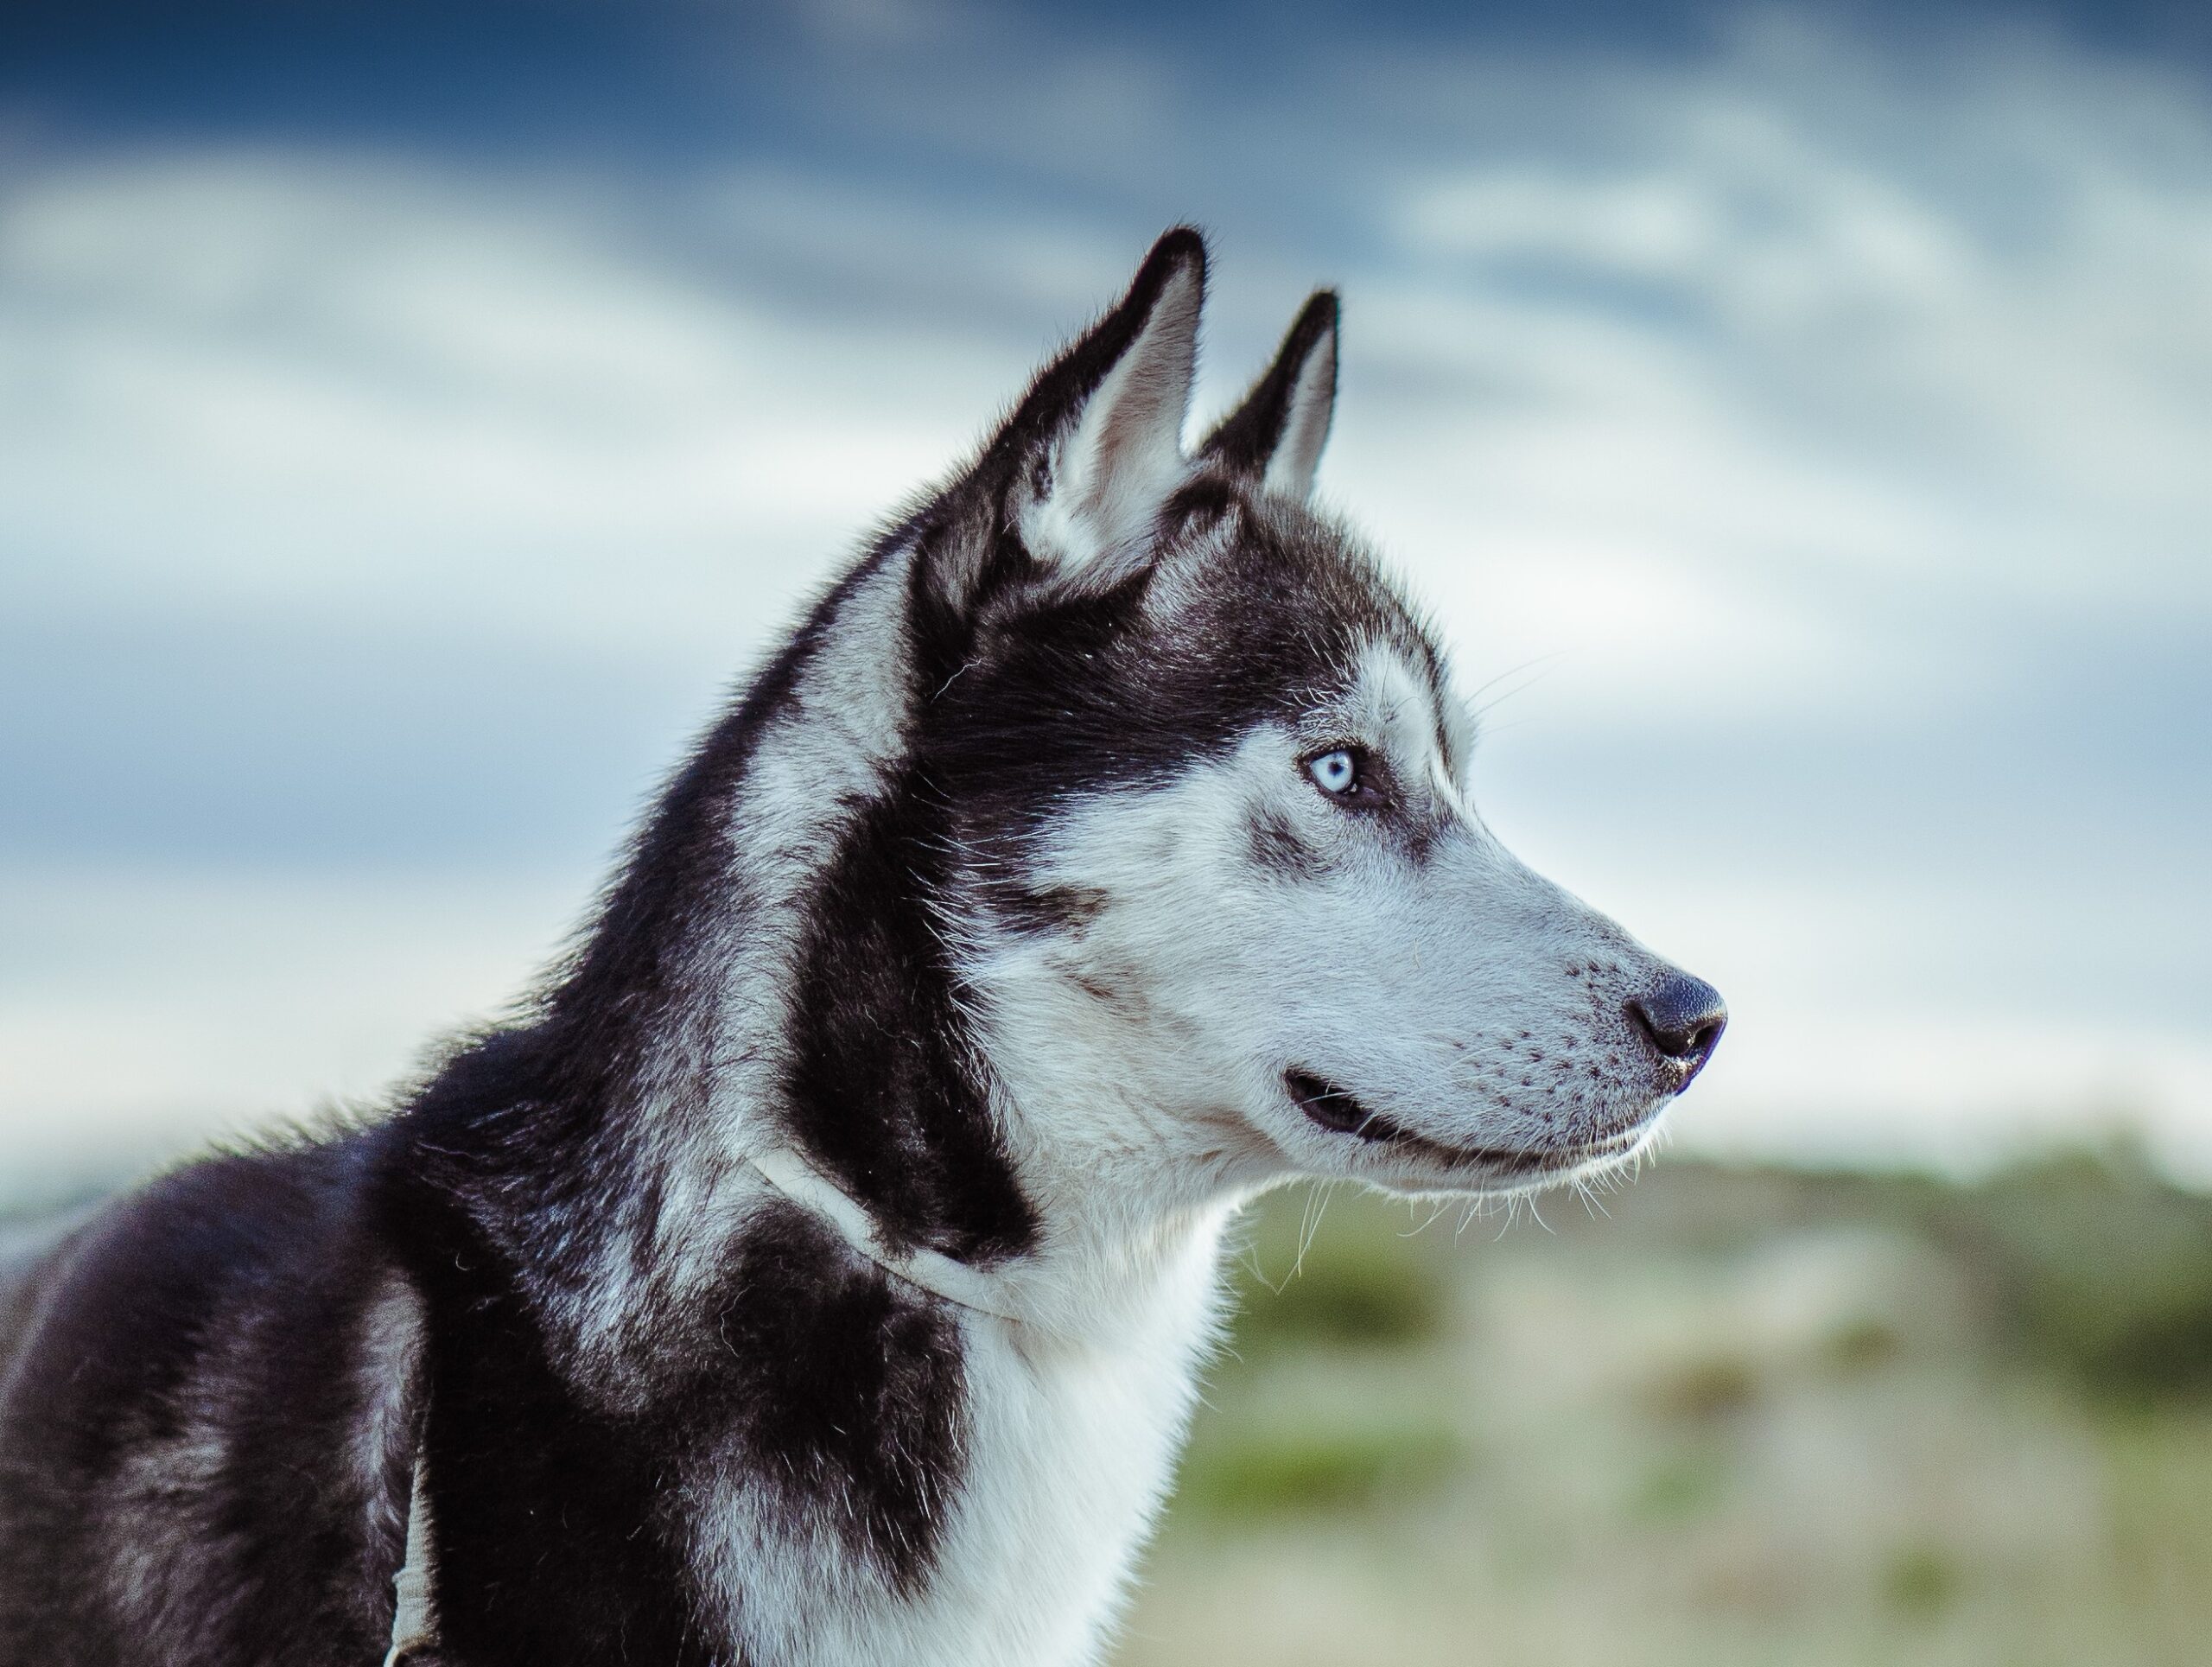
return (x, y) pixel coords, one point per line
(1094, 854)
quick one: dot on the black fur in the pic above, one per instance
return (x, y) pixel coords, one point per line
(553, 1540)
(185, 1384)
(1279, 848)
(1047, 911)
(882, 1090)
(856, 1385)
(1248, 438)
(1092, 691)
(211, 1402)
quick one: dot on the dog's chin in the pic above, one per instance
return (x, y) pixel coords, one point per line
(1395, 1154)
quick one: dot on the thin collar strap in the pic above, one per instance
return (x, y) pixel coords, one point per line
(414, 1613)
(934, 1272)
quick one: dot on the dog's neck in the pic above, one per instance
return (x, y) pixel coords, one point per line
(1125, 1183)
(1091, 1281)
(1055, 1176)
(1119, 1191)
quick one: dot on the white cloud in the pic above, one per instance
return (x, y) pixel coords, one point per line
(1805, 392)
(1983, 278)
(142, 1010)
(335, 382)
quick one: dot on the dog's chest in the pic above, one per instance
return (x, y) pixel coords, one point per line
(1074, 1450)
(1070, 1447)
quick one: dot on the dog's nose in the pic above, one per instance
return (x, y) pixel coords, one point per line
(1683, 1017)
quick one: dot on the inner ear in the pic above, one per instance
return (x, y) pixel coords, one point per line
(1276, 437)
(1115, 454)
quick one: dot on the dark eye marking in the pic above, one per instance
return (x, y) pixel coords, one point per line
(1063, 909)
(1277, 847)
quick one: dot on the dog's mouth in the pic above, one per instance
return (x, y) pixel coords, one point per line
(1336, 1109)
(1339, 1110)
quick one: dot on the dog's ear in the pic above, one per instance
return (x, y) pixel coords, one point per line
(1276, 435)
(1096, 447)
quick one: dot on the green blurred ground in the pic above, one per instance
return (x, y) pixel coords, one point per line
(1748, 1418)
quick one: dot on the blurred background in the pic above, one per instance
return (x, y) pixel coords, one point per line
(413, 415)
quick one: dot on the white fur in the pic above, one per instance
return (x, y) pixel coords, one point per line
(1297, 456)
(1073, 1437)
(1110, 474)
(386, 1383)
(1459, 993)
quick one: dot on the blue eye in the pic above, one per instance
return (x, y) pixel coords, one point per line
(1335, 773)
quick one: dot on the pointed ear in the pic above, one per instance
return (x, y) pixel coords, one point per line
(1102, 430)
(1277, 433)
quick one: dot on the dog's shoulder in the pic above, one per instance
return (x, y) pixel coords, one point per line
(184, 1365)
(137, 1288)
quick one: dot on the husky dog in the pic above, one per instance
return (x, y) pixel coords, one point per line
(818, 1273)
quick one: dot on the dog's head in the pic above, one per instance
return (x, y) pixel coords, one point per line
(1221, 874)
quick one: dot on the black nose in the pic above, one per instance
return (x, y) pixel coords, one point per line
(1683, 1017)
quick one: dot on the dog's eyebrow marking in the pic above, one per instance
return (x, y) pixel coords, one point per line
(1400, 700)
(1386, 679)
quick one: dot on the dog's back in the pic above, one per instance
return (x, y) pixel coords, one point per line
(180, 1420)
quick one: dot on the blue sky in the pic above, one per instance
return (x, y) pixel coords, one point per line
(411, 418)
